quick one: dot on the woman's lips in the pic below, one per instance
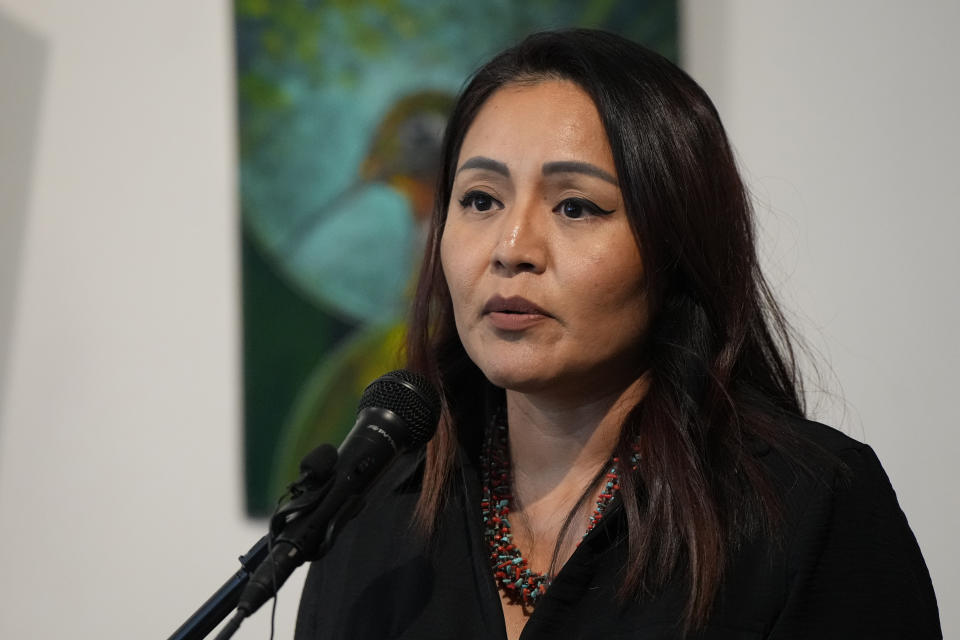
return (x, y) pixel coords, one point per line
(514, 313)
(514, 321)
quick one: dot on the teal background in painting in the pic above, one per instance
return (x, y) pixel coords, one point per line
(331, 225)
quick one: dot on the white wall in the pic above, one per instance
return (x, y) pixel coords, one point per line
(845, 118)
(119, 442)
(119, 360)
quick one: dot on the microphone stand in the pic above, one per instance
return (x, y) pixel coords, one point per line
(305, 495)
(221, 603)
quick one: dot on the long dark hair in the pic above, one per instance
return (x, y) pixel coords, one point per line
(723, 372)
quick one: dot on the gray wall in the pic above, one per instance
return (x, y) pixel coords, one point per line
(844, 117)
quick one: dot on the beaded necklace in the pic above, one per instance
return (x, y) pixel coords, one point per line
(511, 570)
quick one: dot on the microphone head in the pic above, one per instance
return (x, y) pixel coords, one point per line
(411, 398)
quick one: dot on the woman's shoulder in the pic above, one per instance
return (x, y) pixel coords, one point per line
(828, 437)
(827, 477)
(853, 563)
(809, 454)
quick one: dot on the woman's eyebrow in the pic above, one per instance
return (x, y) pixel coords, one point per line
(571, 166)
(480, 162)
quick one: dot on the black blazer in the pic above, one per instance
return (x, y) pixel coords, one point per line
(848, 567)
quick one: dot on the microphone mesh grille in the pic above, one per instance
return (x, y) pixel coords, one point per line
(411, 397)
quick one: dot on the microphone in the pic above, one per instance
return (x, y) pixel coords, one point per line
(397, 411)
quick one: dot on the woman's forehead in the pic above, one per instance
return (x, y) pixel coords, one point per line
(547, 121)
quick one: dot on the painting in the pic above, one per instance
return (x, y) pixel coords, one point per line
(341, 107)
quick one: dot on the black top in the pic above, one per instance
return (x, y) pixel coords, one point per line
(848, 567)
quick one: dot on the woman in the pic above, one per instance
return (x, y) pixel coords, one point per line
(622, 451)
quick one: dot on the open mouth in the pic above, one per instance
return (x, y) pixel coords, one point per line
(514, 305)
(513, 314)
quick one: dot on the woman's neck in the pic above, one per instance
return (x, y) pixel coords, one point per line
(557, 446)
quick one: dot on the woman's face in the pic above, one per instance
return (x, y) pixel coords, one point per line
(545, 276)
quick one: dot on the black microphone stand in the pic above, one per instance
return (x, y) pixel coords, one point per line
(304, 495)
(221, 603)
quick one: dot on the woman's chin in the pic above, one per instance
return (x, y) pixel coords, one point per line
(518, 379)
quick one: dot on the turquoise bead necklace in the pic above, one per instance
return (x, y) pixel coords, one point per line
(512, 572)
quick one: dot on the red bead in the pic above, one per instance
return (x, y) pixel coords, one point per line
(496, 490)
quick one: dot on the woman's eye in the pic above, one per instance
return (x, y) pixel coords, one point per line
(479, 200)
(576, 208)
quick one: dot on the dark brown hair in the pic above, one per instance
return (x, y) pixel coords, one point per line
(723, 373)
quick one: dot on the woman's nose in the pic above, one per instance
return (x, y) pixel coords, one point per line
(521, 245)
